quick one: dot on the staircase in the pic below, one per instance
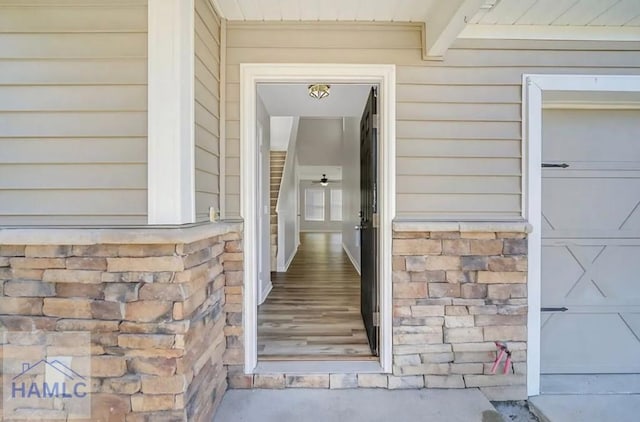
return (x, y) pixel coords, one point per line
(277, 166)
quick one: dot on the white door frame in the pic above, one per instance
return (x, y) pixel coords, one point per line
(382, 75)
(533, 87)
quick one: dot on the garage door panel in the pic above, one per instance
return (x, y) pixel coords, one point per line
(596, 204)
(588, 348)
(591, 242)
(560, 273)
(617, 272)
(578, 135)
(546, 226)
(632, 319)
(633, 221)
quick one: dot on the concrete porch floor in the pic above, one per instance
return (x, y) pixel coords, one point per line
(588, 398)
(587, 408)
(357, 405)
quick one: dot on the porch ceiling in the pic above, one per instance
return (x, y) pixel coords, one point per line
(446, 20)
(561, 12)
(615, 13)
(326, 10)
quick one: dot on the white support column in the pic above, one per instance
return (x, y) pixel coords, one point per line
(171, 181)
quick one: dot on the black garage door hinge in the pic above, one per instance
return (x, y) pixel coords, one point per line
(563, 309)
(562, 166)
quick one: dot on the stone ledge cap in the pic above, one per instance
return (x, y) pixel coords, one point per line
(518, 226)
(115, 235)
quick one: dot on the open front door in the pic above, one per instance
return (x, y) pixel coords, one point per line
(368, 221)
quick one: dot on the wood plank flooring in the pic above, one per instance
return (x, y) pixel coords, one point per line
(313, 311)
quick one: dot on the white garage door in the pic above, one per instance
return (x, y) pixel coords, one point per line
(591, 242)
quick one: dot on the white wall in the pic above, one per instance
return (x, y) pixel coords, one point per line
(351, 189)
(320, 141)
(319, 226)
(280, 131)
(288, 204)
(263, 200)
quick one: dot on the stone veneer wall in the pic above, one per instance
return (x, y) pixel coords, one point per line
(454, 294)
(155, 313)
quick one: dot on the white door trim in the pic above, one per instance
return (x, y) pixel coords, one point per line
(384, 77)
(533, 87)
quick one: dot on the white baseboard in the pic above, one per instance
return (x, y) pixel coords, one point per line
(266, 289)
(352, 259)
(289, 261)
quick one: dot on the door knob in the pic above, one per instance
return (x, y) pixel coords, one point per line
(361, 227)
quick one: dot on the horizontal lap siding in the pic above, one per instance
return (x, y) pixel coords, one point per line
(458, 123)
(73, 112)
(207, 109)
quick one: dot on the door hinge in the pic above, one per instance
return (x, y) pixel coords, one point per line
(563, 309)
(376, 221)
(376, 319)
(553, 165)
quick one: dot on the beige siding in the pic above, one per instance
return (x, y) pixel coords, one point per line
(73, 112)
(207, 109)
(458, 120)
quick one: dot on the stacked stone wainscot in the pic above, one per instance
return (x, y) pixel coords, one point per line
(165, 313)
(456, 292)
(153, 302)
(457, 288)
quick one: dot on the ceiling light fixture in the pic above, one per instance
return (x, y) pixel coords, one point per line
(323, 181)
(319, 91)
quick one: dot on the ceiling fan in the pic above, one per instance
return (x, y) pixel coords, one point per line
(323, 181)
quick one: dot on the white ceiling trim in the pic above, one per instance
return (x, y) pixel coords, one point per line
(551, 32)
(448, 20)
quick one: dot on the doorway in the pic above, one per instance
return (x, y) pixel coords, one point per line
(321, 307)
(380, 75)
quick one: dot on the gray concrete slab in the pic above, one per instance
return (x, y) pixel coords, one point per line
(590, 384)
(587, 407)
(357, 405)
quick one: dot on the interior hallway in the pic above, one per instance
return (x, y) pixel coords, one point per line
(313, 311)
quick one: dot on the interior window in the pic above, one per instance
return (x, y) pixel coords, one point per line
(336, 204)
(314, 204)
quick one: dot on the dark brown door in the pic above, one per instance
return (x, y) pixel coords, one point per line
(368, 220)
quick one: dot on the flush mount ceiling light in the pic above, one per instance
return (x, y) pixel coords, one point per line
(319, 91)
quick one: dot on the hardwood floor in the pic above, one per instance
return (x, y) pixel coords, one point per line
(313, 311)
